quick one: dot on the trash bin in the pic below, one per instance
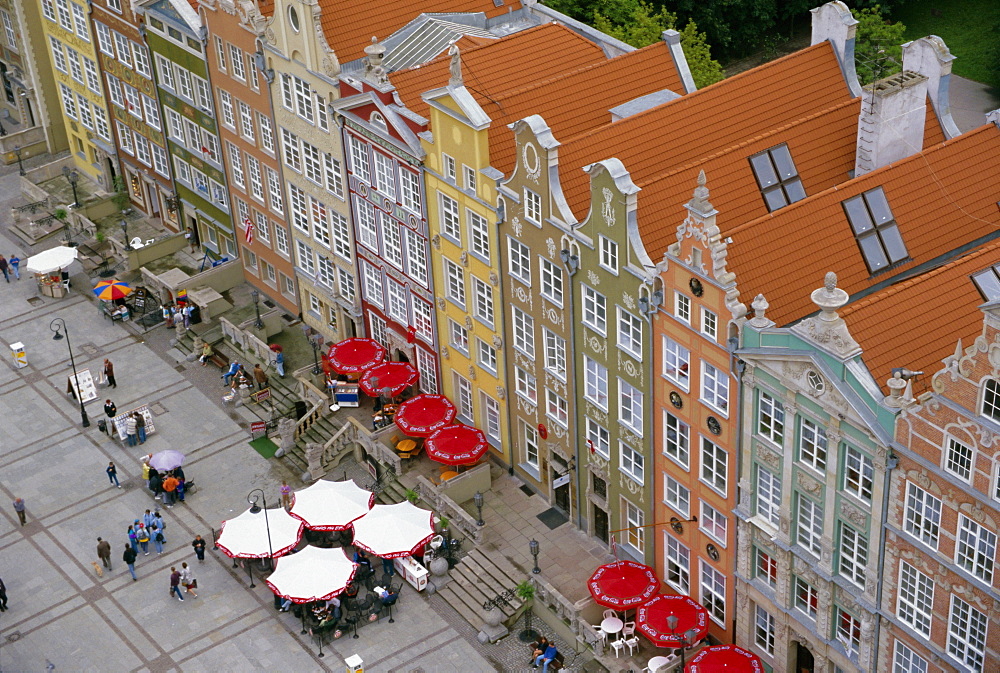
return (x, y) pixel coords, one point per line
(355, 664)
(17, 352)
(102, 425)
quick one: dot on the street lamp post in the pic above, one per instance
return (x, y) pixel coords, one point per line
(256, 307)
(20, 166)
(478, 500)
(687, 640)
(58, 326)
(125, 234)
(533, 548)
(312, 342)
(252, 498)
(74, 177)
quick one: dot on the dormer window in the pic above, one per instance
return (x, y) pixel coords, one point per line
(876, 230)
(777, 177)
(378, 121)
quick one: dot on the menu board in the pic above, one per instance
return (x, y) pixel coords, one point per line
(139, 300)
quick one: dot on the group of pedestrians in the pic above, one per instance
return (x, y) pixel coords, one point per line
(10, 266)
(172, 313)
(168, 487)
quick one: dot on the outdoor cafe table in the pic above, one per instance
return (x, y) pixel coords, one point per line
(612, 625)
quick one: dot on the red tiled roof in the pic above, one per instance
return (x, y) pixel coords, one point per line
(487, 70)
(349, 28)
(705, 121)
(893, 333)
(939, 199)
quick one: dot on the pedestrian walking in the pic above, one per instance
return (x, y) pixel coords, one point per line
(186, 312)
(279, 364)
(155, 484)
(109, 373)
(286, 495)
(160, 524)
(170, 490)
(388, 567)
(188, 580)
(3, 597)
(15, 265)
(199, 547)
(128, 556)
(133, 539)
(146, 470)
(113, 474)
(110, 409)
(130, 430)
(140, 427)
(104, 552)
(143, 535)
(19, 508)
(3, 267)
(158, 539)
(234, 367)
(175, 580)
(260, 377)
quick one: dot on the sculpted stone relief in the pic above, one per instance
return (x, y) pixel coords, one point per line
(608, 208)
(593, 278)
(550, 245)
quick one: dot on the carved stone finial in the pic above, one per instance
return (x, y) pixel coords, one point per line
(896, 384)
(455, 68)
(828, 329)
(374, 70)
(759, 306)
(830, 281)
(700, 199)
(829, 298)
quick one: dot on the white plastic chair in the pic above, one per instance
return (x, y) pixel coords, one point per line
(600, 632)
(618, 646)
(632, 643)
(608, 614)
(136, 243)
(628, 629)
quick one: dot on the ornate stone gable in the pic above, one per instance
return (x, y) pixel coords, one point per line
(828, 330)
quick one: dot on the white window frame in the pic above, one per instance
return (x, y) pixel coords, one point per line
(915, 599)
(595, 309)
(630, 333)
(555, 354)
(632, 462)
(676, 363)
(967, 628)
(813, 444)
(905, 660)
(552, 280)
(676, 564)
(714, 523)
(676, 496)
(808, 524)
(975, 549)
(712, 594)
(682, 307)
(596, 382)
(715, 387)
(519, 260)
(859, 473)
(599, 438)
(853, 556)
(764, 630)
(922, 515)
(767, 495)
(676, 439)
(630, 407)
(959, 458)
(770, 418)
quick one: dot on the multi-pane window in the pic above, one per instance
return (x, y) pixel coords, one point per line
(524, 332)
(65, 18)
(450, 222)
(79, 17)
(69, 104)
(385, 179)
(676, 496)
(713, 592)
(859, 473)
(598, 438)
(102, 128)
(409, 190)
(464, 401)
(416, 257)
(991, 399)
(105, 43)
(848, 630)
(305, 256)
(555, 354)
(632, 462)
(235, 164)
(392, 243)
(634, 521)
(809, 524)
(299, 208)
(482, 300)
(202, 94)
(812, 444)
(714, 465)
(709, 324)
(519, 260)
(682, 307)
(228, 111)
(373, 285)
(58, 55)
(713, 522)
(853, 554)
(470, 177)
(320, 228)
(153, 114)
(976, 548)
(479, 235)
(423, 319)
(85, 117)
(676, 362)
(281, 239)
(367, 226)
(630, 407)
(313, 163)
(714, 387)
(958, 458)
(777, 177)
(768, 494)
(267, 134)
(142, 64)
(677, 564)
(115, 91)
(967, 634)
(530, 445)
(184, 87)
(160, 164)
(398, 305)
(93, 79)
(256, 181)
(247, 128)
(524, 383)
(124, 49)
(596, 382)
(806, 598)
(915, 599)
(676, 439)
(770, 418)
(303, 98)
(236, 58)
(49, 10)
(449, 167)
(556, 408)
(532, 206)
(74, 63)
(629, 333)
(359, 158)
(595, 310)
(325, 271)
(486, 355)
(875, 228)
(454, 282)
(764, 629)
(345, 282)
(608, 254)
(552, 281)
(906, 660)
(332, 172)
(142, 152)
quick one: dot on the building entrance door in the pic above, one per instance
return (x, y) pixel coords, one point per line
(601, 527)
(561, 496)
(804, 662)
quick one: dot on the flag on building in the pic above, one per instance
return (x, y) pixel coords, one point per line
(248, 225)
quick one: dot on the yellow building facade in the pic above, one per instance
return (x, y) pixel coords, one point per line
(68, 38)
(461, 214)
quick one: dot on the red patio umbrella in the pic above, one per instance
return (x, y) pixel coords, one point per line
(623, 585)
(424, 414)
(725, 658)
(394, 376)
(354, 356)
(651, 620)
(457, 445)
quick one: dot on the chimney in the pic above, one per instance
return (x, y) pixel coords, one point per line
(891, 125)
(834, 22)
(931, 57)
(673, 41)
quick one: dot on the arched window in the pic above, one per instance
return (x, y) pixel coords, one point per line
(378, 121)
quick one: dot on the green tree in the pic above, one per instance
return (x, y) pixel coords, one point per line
(877, 48)
(634, 22)
(704, 69)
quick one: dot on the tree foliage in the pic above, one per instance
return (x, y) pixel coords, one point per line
(877, 48)
(704, 69)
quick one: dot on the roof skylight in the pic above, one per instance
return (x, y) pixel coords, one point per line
(876, 230)
(777, 177)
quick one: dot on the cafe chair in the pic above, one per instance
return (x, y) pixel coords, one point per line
(608, 614)
(600, 633)
(386, 580)
(632, 644)
(628, 629)
(618, 646)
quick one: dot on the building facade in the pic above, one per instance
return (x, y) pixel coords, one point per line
(816, 438)
(136, 122)
(200, 202)
(72, 53)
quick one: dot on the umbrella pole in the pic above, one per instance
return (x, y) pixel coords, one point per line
(250, 573)
(303, 615)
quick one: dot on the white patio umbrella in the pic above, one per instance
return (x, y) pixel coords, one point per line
(391, 531)
(313, 574)
(246, 536)
(51, 260)
(331, 505)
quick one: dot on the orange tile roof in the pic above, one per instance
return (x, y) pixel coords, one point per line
(349, 27)
(487, 70)
(938, 197)
(893, 334)
(705, 121)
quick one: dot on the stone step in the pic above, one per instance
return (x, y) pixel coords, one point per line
(458, 598)
(491, 566)
(479, 590)
(478, 578)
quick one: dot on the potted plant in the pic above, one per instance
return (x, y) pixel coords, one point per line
(526, 592)
(412, 495)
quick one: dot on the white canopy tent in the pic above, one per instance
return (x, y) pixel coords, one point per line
(52, 260)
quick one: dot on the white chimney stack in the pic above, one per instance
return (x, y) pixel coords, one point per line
(891, 125)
